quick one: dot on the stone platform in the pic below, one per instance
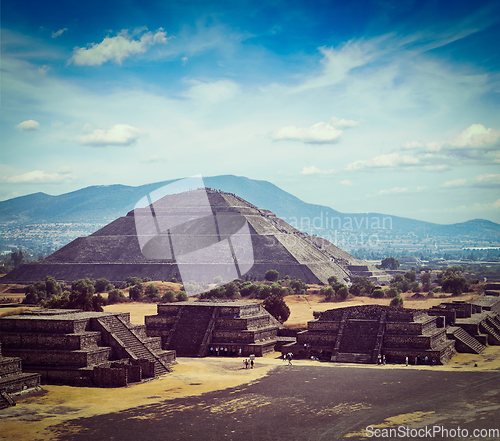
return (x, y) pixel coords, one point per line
(198, 329)
(361, 334)
(83, 348)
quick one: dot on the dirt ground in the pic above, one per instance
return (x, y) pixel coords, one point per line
(44, 417)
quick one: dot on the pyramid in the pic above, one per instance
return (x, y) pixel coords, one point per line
(117, 251)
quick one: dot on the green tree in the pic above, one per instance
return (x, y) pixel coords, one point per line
(298, 285)
(277, 307)
(272, 275)
(361, 286)
(332, 280)
(169, 296)
(426, 278)
(397, 301)
(401, 282)
(102, 285)
(342, 293)
(152, 291)
(116, 296)
(264, 291)
(390, 263)
(411, 276)
(378, 293)
(328, 292)
(135, 292)
(181, 296)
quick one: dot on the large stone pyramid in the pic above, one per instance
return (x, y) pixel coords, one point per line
(116, 252)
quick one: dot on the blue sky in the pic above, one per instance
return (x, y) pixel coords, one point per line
(386, 106)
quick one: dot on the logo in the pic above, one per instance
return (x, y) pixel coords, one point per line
(205, 237)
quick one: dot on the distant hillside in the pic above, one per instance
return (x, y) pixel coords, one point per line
(102, 204)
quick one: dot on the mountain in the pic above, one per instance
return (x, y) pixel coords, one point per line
(169, 239)
(102, 204)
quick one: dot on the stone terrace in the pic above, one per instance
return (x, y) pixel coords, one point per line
(362, 333)
(83, 348)
(198, 329)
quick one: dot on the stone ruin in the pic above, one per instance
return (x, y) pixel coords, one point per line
(13, 381)
(114, 252)
(83, 348)
(361, 334)
(198, 329)
(473, 325)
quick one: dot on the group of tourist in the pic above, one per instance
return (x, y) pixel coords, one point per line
(382, 360)
(224, 352)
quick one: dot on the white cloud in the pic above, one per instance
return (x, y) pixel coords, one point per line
(476, 143)
(118, 135)
(184, 60)
(489, 178)
(394, 190)
(313, 170)
(388, 160)
(475, 136)
(38, 177)
(319, 133)
(116, 48)
(346, 182)
(438, 167)
(344, 123)
(59, 32)
(28, 125)
(212, 92)
(412, 145)
(455, 183)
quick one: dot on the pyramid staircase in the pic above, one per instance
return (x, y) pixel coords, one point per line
(464, 342)
(135, 346)
(191, 328)
(489, 326)
(358, 341)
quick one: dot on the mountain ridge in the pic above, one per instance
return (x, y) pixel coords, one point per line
(103, 203)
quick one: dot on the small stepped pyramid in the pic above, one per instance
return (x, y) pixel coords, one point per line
(359, 334)
(83, 348)
(197, 329)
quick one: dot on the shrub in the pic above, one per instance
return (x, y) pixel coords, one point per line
(378, 294)
(181, 296)
(415, 286)
(342, 293)
(332, 280)
(298, 285)
(152, 291)
(169, 296)
(116, 296)
(102, 285)
(264, 291)
(272, 275)
(392, 292)
(135, 292)
(328, 292)
(397, 301)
